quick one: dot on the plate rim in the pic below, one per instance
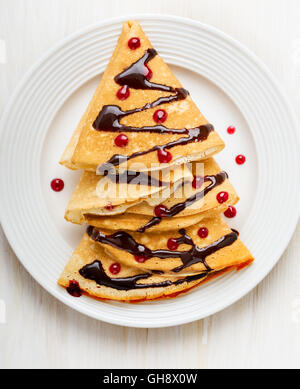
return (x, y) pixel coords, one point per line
(159, 17)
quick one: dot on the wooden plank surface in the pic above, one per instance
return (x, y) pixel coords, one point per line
(262, 329)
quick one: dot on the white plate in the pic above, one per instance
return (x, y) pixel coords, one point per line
(230, 85)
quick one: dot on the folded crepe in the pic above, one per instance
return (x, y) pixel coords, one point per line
(114, 193)
(132, 222)
(187, 200)
(92, 272)
(184, 207)
(135, 85)
(206, 246)
(88, 272)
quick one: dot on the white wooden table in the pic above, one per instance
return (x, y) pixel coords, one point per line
(262, 329)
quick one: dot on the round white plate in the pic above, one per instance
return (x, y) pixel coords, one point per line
(230, 85)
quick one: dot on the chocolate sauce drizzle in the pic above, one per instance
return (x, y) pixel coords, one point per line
(135, 76)
(214, 180)
(109, 117)
(94, 271)
(199, 254)
(197, 134)
(74, 289)
(124, 241)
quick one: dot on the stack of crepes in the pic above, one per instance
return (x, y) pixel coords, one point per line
(151, 193)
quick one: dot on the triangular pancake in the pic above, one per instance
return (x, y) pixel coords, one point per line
(206, 204)
(219, 249)
(132, 222)
(93, 145)
(86, 205)
(89, 262)
(108, 286)
(106, 195)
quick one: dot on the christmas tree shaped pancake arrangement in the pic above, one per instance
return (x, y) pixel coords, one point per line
(155, 226)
